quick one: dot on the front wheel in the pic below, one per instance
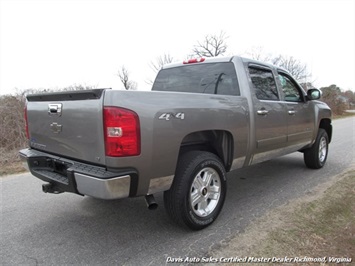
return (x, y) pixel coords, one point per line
(197, 194)
(316, 156)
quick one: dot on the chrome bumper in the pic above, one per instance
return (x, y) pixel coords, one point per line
(113, 188)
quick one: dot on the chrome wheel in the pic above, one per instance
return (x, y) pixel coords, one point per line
(199, 189)
(322, 154)
(316, 155)
(205, 192)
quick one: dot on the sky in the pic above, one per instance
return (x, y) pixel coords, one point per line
(55, 44)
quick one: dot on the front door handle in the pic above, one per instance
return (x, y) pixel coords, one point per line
(262, 112)
(291, 112)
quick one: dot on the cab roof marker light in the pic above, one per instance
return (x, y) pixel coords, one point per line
(194, 60)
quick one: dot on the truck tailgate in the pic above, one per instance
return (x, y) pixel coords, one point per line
(68, 124)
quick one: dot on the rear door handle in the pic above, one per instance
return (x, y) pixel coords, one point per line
(262, 112)
(291, 112)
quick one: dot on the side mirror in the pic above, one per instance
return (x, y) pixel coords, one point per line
(314, 94)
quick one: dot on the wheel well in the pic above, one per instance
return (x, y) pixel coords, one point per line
(219, 142)
(326, 125)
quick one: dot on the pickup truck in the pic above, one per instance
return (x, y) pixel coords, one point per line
(202, 119)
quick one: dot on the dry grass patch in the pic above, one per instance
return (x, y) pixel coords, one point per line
(11, 168)
(321, 228)
(10, 163)
(344, 115)
(317, 225)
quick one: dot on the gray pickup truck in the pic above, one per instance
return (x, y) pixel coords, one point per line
(202, 119)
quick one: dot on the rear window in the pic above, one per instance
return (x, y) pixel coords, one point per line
(210, 78)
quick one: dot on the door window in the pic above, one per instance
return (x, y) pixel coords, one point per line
(290, 90)
(264, 84)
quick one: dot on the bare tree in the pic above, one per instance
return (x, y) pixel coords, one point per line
(158, 64)
(296, 68)
(333, 97)
(211, 46)
(160, 61)
(78, 87)
(128, 84)
(258, 53)
(12, 130)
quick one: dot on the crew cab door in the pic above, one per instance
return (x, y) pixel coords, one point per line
(270, 114)
(300, 118)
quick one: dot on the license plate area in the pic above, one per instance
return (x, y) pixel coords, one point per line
(54, 165)
(60, 167)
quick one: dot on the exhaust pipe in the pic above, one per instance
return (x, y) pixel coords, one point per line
(151, 204)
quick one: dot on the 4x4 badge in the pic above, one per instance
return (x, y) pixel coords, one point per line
(167, 116)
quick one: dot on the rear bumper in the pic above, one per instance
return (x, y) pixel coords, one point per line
(113, 188)
(76, 177)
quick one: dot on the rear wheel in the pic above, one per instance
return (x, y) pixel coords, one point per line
(316, 156)
(197, 194)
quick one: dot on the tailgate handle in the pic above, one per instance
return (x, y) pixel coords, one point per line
(55, 109)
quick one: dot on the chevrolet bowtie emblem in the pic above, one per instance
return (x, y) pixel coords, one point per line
(56, 128)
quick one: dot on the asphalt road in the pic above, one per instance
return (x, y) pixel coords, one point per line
(45, 229)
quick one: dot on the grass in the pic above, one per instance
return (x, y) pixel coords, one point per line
(344, 115)
(11, 168)
(321, 225)
(324, 227)
(10, 162)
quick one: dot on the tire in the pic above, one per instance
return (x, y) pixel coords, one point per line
(197, 194)
(316, 156)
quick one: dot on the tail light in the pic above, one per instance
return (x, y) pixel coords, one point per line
(26, 122)
(121, 131)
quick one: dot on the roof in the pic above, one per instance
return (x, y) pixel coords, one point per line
(207, 60)
(224, 59)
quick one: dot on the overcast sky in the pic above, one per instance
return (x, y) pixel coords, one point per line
(53, 44)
